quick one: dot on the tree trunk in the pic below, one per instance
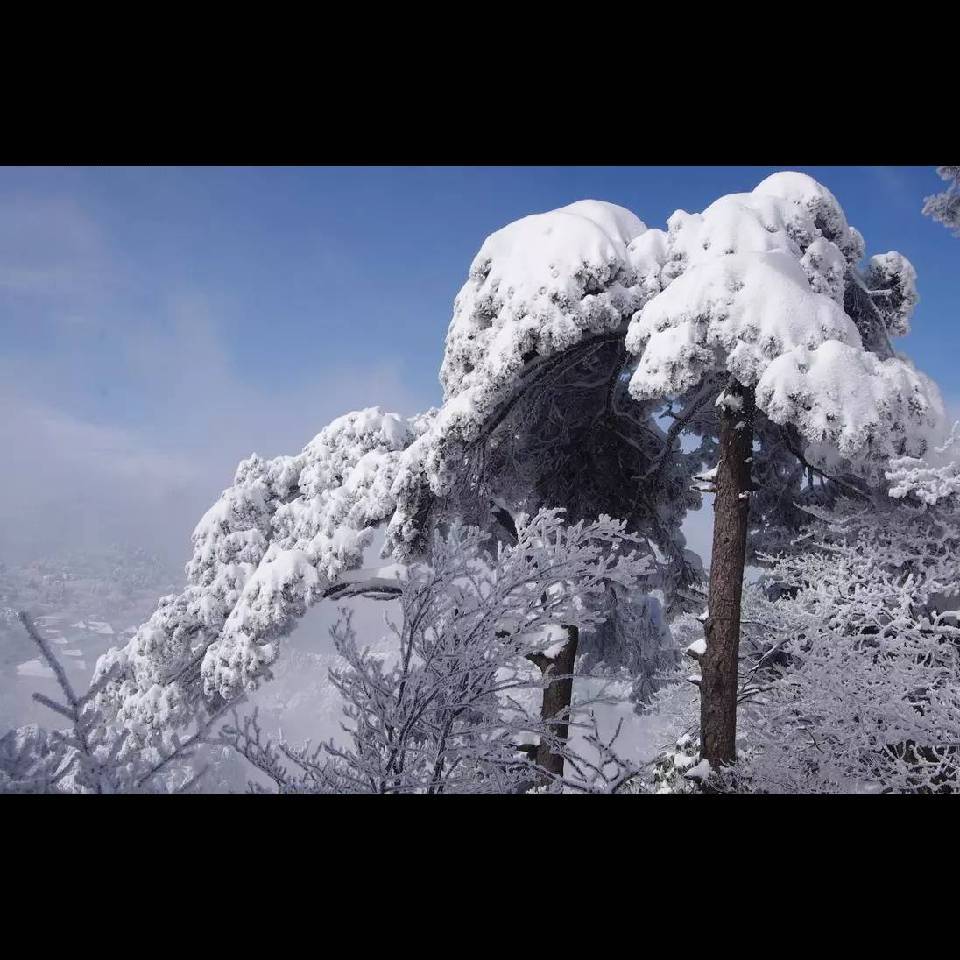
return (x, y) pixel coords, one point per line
(557, 697)
(719, 684)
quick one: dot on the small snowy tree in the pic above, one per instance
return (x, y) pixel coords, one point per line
(454, 711)
(945, 207)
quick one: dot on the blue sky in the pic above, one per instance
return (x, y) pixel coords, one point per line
(161, 323)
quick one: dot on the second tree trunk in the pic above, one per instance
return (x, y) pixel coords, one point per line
(555, 709)
(719, 683)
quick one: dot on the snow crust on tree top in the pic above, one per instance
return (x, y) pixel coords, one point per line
(743, 309)
(535, 287)
(846, 400)
(809, 201)
(755, 286)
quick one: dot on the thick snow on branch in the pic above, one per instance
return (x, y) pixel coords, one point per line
(737, 313)
(945, 207)
(270, 546)
(844, 399)
(535, 288)
(892, 278)
(755, 286)
(541, 295)
(932, 478)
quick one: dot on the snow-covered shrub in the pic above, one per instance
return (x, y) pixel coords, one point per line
(929, 479)
(850, 680)
(849, 677)
(680, 769)
(452, 710)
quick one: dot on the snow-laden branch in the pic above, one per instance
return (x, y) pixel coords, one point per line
(273, 544)
(945, 207)
(755, 286)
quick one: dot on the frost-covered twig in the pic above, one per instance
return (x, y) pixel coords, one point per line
(455, 709)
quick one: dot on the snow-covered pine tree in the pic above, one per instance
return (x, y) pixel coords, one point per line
(535, 414)
(763, 314)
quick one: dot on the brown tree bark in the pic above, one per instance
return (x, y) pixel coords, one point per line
(719, 683)
(557, 697)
